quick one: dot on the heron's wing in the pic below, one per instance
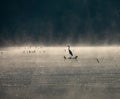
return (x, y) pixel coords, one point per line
(70, 52)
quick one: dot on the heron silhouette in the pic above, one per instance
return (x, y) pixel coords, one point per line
(70, 52)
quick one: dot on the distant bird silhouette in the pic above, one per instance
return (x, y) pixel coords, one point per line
(97, 60)
(70, 52)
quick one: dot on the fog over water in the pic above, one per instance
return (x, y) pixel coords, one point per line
(39, 72)
(34, 56)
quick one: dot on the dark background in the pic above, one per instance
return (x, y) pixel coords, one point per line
(59, 21)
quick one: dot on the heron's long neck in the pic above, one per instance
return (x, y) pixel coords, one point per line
(68, 48)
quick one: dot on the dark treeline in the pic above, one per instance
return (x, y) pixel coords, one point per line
(59, 21)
